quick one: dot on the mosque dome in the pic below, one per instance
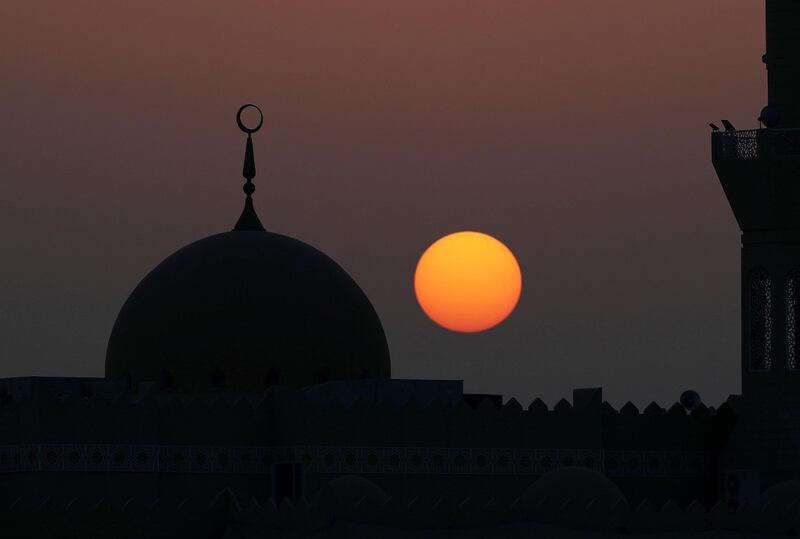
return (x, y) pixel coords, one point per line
(352, 490)
(575, 488)
(244, 310)
(781, 495)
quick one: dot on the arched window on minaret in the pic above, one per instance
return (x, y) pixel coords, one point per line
(792, 317)
(760, 346)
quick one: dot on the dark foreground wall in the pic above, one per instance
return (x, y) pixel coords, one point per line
(228, 517)
(174, 447)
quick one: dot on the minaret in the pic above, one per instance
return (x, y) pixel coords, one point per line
(759, 171)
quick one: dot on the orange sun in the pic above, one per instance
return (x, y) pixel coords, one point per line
(467, 282)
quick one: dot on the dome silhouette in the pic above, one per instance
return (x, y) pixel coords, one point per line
(243, 310)
(781, 495)
(352, 490)
(574, 487)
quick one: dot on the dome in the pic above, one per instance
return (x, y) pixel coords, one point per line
(574, 486)
(352, 490)
(244, 310)
(781, 495)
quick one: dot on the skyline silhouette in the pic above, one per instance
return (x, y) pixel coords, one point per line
(576, 135)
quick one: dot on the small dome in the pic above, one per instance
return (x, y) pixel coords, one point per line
(244, 310)
(781, 495)
(352, 490)
(569, 491)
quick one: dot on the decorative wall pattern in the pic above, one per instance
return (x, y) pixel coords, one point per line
(760, 320)
(792, 307)
(743, 144)
(755, 143)
(347, 460)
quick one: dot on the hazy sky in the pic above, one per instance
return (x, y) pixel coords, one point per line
(574, 131)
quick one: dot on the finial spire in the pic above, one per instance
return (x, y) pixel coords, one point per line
(248, 220)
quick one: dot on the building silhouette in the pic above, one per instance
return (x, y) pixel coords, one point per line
(248, 392)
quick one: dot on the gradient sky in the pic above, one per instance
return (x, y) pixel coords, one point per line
(574, 131)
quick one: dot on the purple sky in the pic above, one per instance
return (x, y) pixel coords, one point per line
(573, 131)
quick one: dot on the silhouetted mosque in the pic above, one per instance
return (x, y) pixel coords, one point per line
(248, 393)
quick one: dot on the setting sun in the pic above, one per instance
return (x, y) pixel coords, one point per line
(467, 282)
